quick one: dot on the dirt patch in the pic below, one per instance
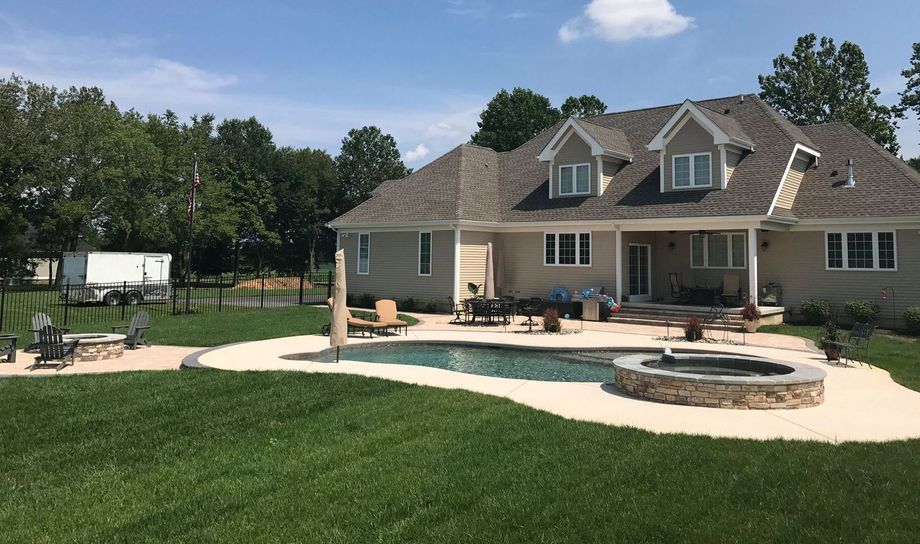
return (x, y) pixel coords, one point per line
(282, 282)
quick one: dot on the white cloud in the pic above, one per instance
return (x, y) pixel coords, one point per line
(625, 20)
(420, 152)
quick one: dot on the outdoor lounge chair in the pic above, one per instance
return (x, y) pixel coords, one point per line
(53, 350)
(678, 291)
(731, 289)
(8, 347)
(386, 315)
(137, 330)
(855, 345)
(357, 324)
(459, 311)
(39, 322)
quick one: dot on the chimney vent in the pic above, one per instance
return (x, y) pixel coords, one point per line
(851, 181)
(742, 98)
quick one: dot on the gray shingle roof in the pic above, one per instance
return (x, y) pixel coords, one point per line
(610, 138)
(729, 125)
(476, 183)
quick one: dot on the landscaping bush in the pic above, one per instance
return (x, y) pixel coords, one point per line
(912, 319)
(816, 310)
(693, 330)
(408, 305)
(862, 311)
(551, 321)
(365, 300)
(432, 306)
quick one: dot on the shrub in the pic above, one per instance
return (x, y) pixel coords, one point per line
(365, 300)
(432, 306)
(551, 321)
(750, 311)
(693, 330)
(409, 305)
(862, 311)
(912, 319)
(816, 310)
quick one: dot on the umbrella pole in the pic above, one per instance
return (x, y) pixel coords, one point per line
(337, 354)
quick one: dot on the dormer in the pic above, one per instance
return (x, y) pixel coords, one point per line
(583, 158)
(699, 148)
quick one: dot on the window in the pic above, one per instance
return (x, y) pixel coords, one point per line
(567, 248)
(861, 251)
(694, 170)
(574, 179)
(718, 250)
(424, 253)
(364, 252)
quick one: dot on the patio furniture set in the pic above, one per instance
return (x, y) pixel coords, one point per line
(383, 319)
(481, 311)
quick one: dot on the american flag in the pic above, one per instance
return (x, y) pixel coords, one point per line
(191, 194)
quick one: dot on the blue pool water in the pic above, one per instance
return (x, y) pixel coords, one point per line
(527, 364)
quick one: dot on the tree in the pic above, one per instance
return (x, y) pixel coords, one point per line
(914, 163)
(826, 85)
(511, 119)
(368, 157)
(583, 106)
(910, 96)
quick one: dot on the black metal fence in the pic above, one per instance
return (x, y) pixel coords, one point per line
(111, 303)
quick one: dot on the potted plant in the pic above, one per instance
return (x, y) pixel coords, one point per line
(751, 315)
(830, 333)
(693, 330)
(473, 289)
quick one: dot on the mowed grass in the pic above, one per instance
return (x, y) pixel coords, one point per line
(204, 456)
(232, 325)
(899, 355)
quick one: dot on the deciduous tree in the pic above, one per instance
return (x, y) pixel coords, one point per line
(511, 119)
(368, 157)
(583, 106)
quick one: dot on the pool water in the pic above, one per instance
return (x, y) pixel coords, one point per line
(525, 364)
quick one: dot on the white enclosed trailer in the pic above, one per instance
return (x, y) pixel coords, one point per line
(114, 278)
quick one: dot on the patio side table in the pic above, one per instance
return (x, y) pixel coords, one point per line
(8, 347)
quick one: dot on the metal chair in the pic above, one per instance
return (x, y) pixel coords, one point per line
(856, 343)
(459, 311)
(678, 291)
(52, 347)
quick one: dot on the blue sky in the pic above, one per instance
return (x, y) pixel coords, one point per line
(423, 70)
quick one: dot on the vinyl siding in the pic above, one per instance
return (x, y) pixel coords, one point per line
(525, 275)
(609, 170)
(473, 260)
(731, 161)
(692, 138)
(790, 186)
(575, 151)
(796, 261)
(393, 267)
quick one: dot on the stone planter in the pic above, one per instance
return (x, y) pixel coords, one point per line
(751, 326)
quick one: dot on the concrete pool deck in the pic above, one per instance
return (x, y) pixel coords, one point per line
(861, 404)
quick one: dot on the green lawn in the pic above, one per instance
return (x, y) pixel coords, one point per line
(899, 355)
(206, 456)
(214, 329)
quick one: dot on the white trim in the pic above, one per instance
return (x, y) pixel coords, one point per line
(729, 253)
(456, 265)
(600, 176)
(661, 170)
(752, 263)
(875, 251)
(418, 264)
(618, 262)
(552, 166)
(782, 181)
(574, 167)
(718, 135)
(368, 271)
(548, 153)
(647, 296)
(723, 159)
(577, 249)
(693, 184)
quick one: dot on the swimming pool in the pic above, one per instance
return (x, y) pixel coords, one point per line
(502, 362)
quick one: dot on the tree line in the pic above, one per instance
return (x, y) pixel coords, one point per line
(75, 171)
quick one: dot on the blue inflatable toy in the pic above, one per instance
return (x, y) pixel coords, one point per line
(560, 294)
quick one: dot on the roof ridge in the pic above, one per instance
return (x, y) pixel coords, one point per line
(674, 104)
(906, 170)
(769, 113)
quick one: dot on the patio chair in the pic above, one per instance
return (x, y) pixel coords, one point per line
(856, 342)
(39, 322)
(678, 291)
(8, 347)
(53, 350)
(529, 308)
(731, 289)
(459, 311)
(354, 323)
(388, 317)
(136, 331)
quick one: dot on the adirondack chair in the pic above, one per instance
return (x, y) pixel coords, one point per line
(39, 322)
(136, 331)
(53, 350)
(8, 347)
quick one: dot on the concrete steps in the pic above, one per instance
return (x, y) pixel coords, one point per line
(660, 318)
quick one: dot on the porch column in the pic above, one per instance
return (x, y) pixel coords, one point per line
(619, 265)
(752, 264)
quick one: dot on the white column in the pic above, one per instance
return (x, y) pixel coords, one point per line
(619, 265)
(456, 265)
(752, 264)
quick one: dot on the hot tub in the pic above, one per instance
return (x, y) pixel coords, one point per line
(98, 346)
(720, 381)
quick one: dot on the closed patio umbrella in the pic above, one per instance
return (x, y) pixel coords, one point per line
(338, 327)
(489, 291)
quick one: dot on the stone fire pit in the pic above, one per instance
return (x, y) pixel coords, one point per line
(98, 346)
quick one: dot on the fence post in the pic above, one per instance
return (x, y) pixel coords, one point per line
(329, 284)
(300, 298)
(175, 298)
(2, 303)
(220, 295)
(124, 298)
(67, 302)
(262, 295)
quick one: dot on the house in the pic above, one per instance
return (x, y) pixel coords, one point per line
(704, 190)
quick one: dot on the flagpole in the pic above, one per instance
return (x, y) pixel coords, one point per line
(191, 230)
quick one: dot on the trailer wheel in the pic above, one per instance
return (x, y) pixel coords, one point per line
(112, 298)
(134, 298)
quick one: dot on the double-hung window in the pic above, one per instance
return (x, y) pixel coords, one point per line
(567, 248)
(364, 252)
(861, 251)
(693, 170)
(717, 251)
(575, 179)
(424, 253)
